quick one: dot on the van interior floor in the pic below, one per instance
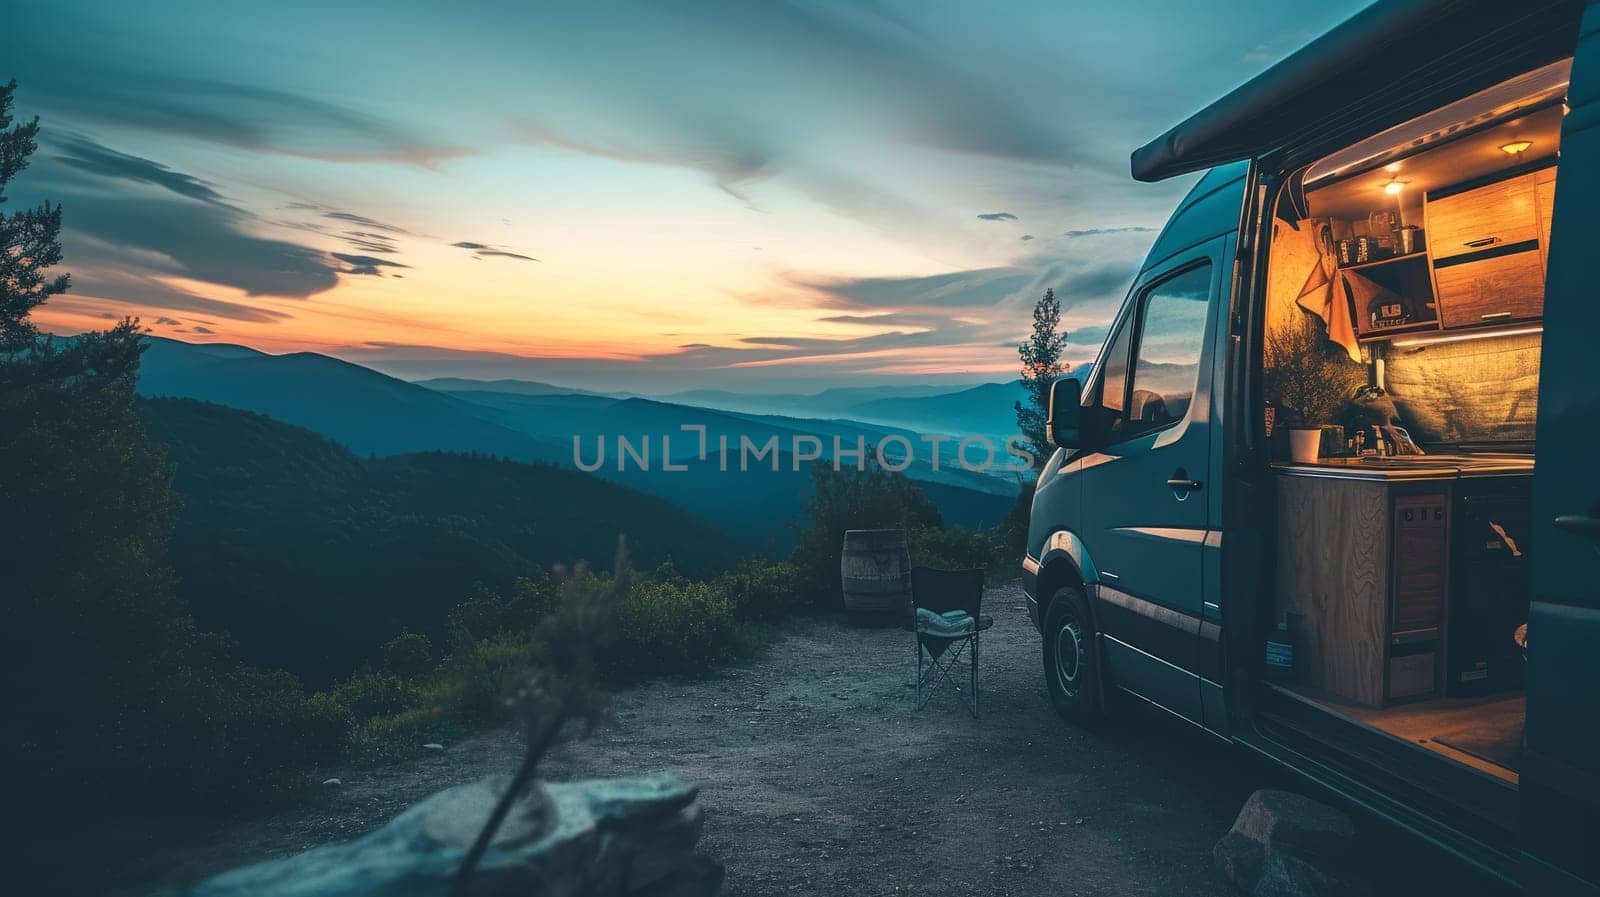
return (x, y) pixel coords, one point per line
(1484, 733)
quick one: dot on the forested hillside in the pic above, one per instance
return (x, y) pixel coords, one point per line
(310, 557)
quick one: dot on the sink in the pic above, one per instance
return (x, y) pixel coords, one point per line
(1407, 461)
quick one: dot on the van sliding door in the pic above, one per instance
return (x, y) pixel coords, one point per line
(1561, 755)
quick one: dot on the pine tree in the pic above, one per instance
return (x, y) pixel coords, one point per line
(1041, 365)
(29, 240)
(126, 697)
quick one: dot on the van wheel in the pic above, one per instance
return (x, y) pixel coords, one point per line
(1071, 663)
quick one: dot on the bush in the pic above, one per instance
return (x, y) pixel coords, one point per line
(759, 589)
(370, 694)
(485, 612)
(851, 499)
(677, 627)
(474, 679)
(407, 655)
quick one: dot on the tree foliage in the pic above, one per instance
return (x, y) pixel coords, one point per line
(120, 693)
(846, 499)
(29, 244)
(1041, 365)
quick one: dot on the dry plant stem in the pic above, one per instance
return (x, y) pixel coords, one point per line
(539, 741)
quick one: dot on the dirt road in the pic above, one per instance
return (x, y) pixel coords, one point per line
(820, 778)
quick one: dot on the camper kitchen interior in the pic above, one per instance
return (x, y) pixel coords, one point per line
(1400, 369)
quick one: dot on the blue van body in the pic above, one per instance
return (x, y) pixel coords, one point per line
(1141, 566)
(1149, 558)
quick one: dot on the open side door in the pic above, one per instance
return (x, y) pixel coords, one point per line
(1561, 756)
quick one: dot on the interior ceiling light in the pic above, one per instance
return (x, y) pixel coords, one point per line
(1394, 187)
(1516, 147)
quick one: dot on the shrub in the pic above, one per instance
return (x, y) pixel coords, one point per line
(759, 589)
(851, 499)
(676, 627)
(407, 655)
(486, 613)
(474, 679)
(370, 694)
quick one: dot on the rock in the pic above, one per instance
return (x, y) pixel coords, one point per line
(604, 838)
(433, 746)
(1287, 845)
(332, 782)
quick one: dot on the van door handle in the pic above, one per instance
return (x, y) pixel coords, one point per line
(1580, 525)
(1182, 484)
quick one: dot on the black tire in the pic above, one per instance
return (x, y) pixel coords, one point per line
(1071, 663)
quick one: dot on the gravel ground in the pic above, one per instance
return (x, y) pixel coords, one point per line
(819, 777)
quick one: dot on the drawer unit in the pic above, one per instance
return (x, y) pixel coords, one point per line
(1493, 216)
(1490, 290)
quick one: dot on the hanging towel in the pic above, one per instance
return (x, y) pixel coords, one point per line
(1323, 295)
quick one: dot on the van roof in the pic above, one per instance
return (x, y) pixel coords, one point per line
(1389, 63)
(1211, 209)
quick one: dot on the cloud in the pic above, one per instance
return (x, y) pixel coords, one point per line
(168, 322)
(1025, 237)
(244, 116)
(367, 241)
(976, 288)
(87, 155)
(730, 158)
(202, 241)
(479, 250)
(1103, 231)
(362, 220)
(365, 264)
(101, 276)
(998, 216)
(200, 328)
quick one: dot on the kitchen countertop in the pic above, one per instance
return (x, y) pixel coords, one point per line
(1410, 467)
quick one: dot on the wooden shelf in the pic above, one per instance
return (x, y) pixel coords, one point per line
(1419, 254)
(1387, 333)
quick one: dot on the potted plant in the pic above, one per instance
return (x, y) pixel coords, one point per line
(1308, 380)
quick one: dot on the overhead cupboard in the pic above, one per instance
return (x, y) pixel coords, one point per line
(1447, 239)
(1487, 249)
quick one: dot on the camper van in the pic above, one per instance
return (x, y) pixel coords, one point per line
(1331, 490)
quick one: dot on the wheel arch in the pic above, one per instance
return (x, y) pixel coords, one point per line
(1066, 562)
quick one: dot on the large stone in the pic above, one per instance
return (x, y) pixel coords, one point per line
(603, 837)
(1287, 845)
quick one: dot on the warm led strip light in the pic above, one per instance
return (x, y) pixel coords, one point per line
(1461, 337)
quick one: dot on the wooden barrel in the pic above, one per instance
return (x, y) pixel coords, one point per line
(875, 569)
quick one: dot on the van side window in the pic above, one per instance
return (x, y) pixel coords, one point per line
(1172, 330)
(1114, 383)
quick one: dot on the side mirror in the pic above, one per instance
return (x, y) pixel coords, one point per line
(1064, 422)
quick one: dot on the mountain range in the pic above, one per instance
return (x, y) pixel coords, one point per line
(373, 414)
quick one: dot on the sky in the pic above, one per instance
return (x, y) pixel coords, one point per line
(652, 195)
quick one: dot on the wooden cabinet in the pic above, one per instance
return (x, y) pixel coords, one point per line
(1544, 202)
(1493, 216)
(1362, 564)
(1491, 290)
(1487, 247)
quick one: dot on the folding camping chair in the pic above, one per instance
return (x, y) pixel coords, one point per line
(946, 620)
